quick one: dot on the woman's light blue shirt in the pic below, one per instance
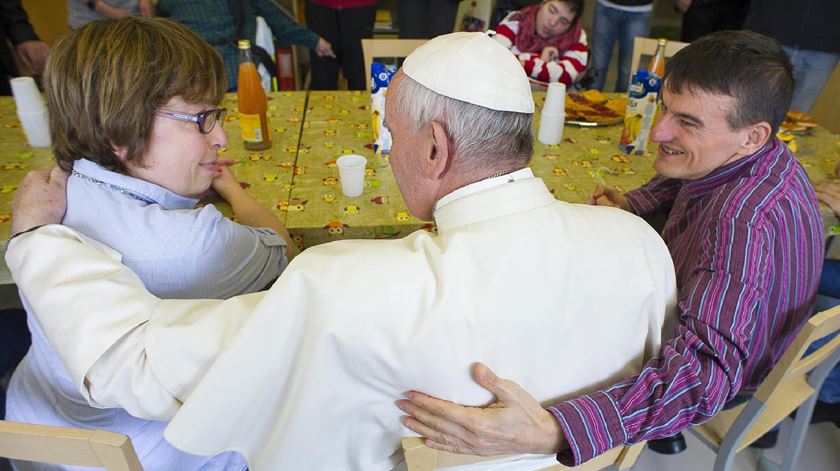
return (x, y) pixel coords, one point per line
(179, 252)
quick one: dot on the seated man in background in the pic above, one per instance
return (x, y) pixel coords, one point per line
(222, 22)
(746, 235)
(304, 376)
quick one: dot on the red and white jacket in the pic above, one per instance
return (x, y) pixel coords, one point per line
(565, 69)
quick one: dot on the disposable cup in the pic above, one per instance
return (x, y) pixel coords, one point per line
(551, 127)
(351, 171)
(26, 93)
(555, 98)
(36, 127)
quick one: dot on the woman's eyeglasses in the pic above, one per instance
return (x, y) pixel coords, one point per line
(205, 120)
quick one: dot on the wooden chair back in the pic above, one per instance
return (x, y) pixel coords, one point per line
(65, 445)
(419, 457)
(792, 384)
(391, 48)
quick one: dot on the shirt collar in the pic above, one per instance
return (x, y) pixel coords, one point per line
(132, 187)
(731, 171)
(482, 185)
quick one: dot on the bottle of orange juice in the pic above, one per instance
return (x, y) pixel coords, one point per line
(657, 64)
(253, 121)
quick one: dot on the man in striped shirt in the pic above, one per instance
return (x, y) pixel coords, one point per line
(746, 236)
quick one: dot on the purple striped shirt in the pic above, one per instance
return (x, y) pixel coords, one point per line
(747, 244)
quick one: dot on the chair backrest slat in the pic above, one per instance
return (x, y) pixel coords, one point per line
(811, 361)
(794, 362)
(373, 48)
(419, 457)
(65, 445)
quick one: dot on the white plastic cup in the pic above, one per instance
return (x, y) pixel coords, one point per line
(551, 127)
(36, 127)
(351, 171)
(555, 99)
(26, 93)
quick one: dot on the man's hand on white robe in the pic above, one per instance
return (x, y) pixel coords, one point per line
(41, 199)
(515, 423)
(608, 196)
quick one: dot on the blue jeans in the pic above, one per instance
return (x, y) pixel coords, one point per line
(828, 296)
(611, 24)
(811, 69)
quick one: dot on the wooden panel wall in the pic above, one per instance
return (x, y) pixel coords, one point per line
(48, 17)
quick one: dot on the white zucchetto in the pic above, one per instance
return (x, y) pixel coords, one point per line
(474, 68)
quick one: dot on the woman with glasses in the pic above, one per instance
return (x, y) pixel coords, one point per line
(134, 115)
(547, 39)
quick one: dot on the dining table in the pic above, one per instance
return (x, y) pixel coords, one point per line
(297, 177)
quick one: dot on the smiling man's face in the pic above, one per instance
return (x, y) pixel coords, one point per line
(693, 134)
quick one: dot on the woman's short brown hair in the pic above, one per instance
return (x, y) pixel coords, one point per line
(105, 81)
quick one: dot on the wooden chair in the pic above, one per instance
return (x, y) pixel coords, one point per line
(372, 48)
(419, 457)
(65, 445)
(788, 387)
(647, 47)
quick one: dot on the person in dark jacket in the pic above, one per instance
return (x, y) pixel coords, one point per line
(344, 23)
(809, 35)
(30, 49)
(620, 20)
(426, 19)
(701, 17)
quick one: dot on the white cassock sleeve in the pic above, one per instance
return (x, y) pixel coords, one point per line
(121, 346)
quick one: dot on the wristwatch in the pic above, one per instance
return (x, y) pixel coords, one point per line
(91, 4)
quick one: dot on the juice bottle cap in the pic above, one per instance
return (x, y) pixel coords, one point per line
(243, 44)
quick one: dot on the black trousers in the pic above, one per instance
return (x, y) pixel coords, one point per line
(425, 19)
(703, 18)
(344, 29)
(14, 343)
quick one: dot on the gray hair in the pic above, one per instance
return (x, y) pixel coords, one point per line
(482, 138)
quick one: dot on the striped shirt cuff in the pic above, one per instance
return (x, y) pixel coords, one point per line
(591, 424)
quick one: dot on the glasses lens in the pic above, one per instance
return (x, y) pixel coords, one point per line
(207, 120)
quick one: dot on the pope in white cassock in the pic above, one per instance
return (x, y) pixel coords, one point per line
(562, 298)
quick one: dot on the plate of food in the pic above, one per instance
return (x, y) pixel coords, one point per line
(797, 122)
(593, 108)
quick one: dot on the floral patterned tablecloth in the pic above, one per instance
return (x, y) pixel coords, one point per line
(267, 174)
(339, 123)
(298, 179)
